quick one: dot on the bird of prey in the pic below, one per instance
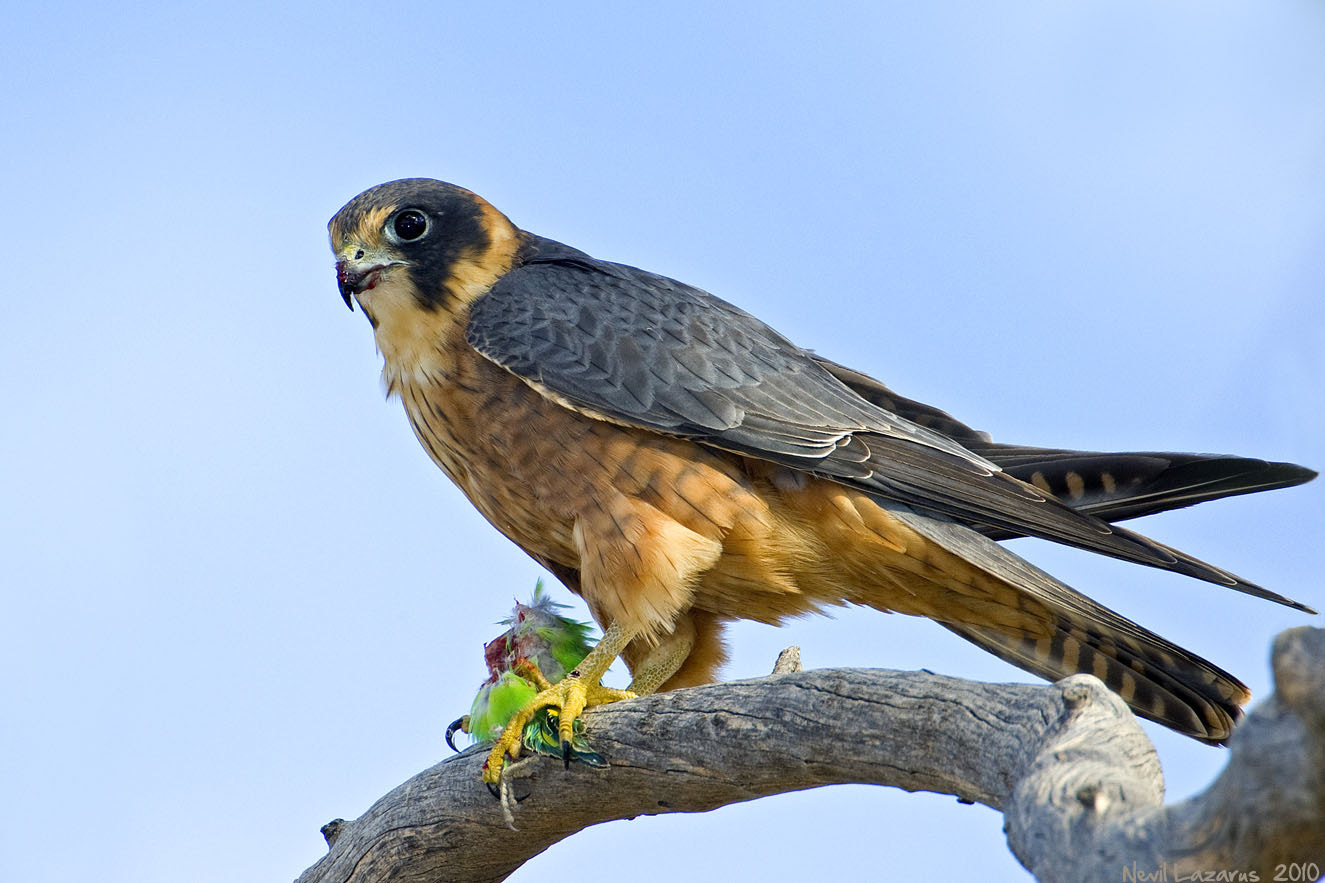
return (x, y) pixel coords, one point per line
(679, 464)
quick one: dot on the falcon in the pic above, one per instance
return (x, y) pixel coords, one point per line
(679, 464)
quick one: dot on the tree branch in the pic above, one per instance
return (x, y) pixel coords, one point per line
(1078, 781)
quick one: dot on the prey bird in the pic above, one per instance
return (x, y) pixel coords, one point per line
(679, 464)
(541, 644)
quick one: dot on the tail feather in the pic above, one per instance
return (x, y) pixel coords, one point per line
(1024, 616)
(1107, 485)
(1158, 680)
(1119, 486)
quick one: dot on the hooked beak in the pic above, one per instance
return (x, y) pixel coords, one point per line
(359, 274)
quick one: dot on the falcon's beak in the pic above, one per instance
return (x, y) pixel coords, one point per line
(360, 273)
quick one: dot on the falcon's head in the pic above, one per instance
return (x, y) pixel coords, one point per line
(418, 244)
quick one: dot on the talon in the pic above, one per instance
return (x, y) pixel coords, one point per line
(493, 790)
(565, 701)
(460, 724)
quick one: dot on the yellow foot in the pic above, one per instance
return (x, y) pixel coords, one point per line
(569, 697)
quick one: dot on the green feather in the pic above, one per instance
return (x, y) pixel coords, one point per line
(541, 736)
(496, 703)
(556, 644)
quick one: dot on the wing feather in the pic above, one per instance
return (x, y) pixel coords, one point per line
(644, 350)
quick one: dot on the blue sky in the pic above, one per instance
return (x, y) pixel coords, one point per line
(238, 599)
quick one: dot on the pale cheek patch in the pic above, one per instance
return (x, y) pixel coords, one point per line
(406, 336)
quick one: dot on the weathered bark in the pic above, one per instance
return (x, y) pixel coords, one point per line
(1078, 781)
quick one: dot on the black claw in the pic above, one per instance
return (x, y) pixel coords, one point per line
(566, 753)
(459, 724)
(493, 790)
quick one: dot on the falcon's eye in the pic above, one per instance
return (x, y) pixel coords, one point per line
(409, 225)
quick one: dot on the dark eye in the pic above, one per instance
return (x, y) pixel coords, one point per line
(410, 225)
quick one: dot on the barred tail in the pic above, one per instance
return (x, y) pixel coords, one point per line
(1024, 616)
(1157, 679)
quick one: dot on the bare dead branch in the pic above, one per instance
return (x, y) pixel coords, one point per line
(1077, 780)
